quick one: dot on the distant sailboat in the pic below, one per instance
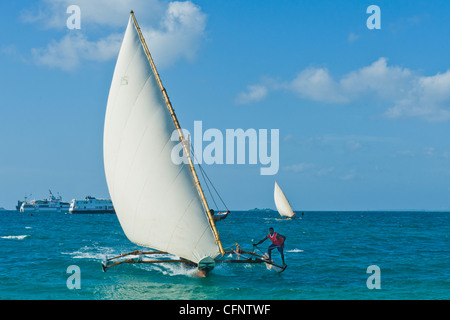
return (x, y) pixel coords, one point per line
(159, 204)
(282, 203)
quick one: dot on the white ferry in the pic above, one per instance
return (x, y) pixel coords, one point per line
(91, 205)
(50, 205)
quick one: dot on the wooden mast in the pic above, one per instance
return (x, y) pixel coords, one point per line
(182, 139)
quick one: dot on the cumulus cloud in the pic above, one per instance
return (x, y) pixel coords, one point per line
(428, 98)
(404, 91)
(377, 80)
(173, 30)
(179, 34)
(318, 85)
(252, 94)
(68, 53)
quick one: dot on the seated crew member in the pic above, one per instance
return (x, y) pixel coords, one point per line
(219, 216)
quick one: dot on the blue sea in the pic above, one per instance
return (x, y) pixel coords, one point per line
(328, 255)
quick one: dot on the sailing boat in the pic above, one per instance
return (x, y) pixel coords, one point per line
(282, 203)
(159, 204)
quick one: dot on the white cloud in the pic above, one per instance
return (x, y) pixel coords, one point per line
(352, 37)
(309, 168)
(173, 30)
(349, 175)
(253, 93)
(299, 167)
(179, 35)
(325, 171)
(404, 91)
(428, 98)
(376, 79)
(68, 53)
(317, 84)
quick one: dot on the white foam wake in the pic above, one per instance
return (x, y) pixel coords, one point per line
(15, 237)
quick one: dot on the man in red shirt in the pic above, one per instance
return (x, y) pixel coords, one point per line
(277, 242)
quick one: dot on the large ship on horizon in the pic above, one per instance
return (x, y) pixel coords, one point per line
(50, 205)
(91, 205)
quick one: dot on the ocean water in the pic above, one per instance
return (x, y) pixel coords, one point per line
(327, 254)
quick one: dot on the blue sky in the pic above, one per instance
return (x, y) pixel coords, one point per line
(363, 114)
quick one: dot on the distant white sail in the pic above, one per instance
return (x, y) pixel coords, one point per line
(156, 201)
(282, 203)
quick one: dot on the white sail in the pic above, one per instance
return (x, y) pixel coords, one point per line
(282, 203)
(156, 201)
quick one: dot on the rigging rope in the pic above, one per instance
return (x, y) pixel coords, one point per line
(206, 179)
(205, 176)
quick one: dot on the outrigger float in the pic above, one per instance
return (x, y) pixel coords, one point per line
(204, 267)
(159, 202)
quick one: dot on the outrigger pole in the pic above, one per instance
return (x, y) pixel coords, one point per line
(180, 133)
(105, 264)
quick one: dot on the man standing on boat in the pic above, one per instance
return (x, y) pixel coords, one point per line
(277, 242)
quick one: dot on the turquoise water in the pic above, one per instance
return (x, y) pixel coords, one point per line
(327, 254)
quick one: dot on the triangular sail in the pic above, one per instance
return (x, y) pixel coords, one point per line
(157, 202)
(282, 203)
